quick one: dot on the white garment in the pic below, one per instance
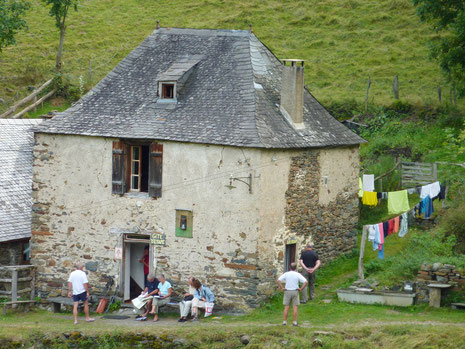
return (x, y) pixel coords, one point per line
(371, 233)
(78, 278)
(292, 279)
(368, 182)
(430, 190)
(411, 191)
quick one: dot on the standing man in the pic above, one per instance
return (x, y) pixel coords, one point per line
(310, 263)
(78, 288)
(291, 291)
(145, 260)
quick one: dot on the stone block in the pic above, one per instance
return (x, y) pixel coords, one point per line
(91, 266)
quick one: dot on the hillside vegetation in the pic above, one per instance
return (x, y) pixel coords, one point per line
(343, 41)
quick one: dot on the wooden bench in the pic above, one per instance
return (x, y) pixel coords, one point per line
(12, 303)
(457, 305)
(59, 301)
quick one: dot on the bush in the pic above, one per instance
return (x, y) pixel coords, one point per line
(454, 224)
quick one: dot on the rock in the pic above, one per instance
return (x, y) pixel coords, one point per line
(326, 301)
(245, 339)
(91, 266)
(425, 266)
(441, 279)
(436, 266)
(317, 342)
(181, 342)
(284, 342)
(396, 288)
(324, 333)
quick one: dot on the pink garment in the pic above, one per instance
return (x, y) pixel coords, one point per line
(381, 235)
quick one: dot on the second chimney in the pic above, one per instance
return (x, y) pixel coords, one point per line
(292, 91)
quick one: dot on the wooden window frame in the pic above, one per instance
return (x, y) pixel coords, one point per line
(162, 86)
(131, 163)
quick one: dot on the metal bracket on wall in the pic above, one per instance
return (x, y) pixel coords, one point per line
(247, 181)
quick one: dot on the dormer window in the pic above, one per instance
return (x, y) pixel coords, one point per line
(167, 91)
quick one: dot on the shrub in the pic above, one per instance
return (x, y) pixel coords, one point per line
(454, 224)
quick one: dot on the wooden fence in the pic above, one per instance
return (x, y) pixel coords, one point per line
(14, 286)
(415, 174)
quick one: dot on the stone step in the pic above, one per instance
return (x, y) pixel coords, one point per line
(457, 305)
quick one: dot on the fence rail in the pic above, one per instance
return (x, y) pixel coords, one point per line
(417, 173)
(12, 285)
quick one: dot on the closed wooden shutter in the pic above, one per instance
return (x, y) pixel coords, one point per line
(117, 180)
(155, 169)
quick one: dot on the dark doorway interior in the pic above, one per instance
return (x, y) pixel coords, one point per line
(289, 256)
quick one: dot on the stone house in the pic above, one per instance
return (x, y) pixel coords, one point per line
(204, 146)
(16, 143)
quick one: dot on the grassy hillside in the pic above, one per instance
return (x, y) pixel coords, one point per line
(344, 41)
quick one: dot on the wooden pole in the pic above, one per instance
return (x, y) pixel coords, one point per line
(395, 87)
(14, 287)
(33, 283)
(362, 253)
(368, 92)
(32, 106)
(26, 99)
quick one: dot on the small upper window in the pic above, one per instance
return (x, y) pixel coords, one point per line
(167, 91)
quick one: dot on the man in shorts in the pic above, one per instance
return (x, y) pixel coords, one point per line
(78, 288)
(291, 291)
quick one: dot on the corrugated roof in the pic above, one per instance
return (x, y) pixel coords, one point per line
(16, 143)
(231, 97)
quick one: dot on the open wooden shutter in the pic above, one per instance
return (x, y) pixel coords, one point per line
(117, 179)
(155, 169)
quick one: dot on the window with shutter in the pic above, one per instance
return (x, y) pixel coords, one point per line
(155, 169)
(118, 180)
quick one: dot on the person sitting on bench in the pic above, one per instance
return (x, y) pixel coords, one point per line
(202, 295)
(150, 290)
(186, 303)
(164, 294)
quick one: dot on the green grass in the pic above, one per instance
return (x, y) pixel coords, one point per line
(343, 41)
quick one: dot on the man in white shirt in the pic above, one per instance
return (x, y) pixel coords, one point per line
(291, 291)
(78, 288)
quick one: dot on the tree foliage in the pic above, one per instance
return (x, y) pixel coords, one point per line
(448, 19)
(11, 20)
(59, 10)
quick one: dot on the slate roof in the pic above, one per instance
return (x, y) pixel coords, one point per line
(231, 97)
(16, 143)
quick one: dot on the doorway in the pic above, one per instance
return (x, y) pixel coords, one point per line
(289, 256)
(133, 270)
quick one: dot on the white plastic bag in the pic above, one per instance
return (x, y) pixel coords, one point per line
(209, 308)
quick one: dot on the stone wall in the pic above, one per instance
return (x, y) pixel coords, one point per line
(11, 253)
(441, 274)
(322, 202)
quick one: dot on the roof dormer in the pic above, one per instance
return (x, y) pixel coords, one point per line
(171, 82)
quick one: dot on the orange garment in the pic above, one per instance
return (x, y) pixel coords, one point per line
(396, 224)
(370, 198)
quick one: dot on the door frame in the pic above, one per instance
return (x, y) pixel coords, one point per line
(127, 240)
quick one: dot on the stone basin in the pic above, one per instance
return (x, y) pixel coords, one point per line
(402, 299)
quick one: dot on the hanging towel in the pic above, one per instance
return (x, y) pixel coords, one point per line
(391, 226)
(369, 198)
(369, 182)
(384, 195)
(360, 188)
(398, 202)
(396, 224)
(371, 233)
(403, 225)
(427, 207)
(381, 252)
(442, 194)
(381, 233)
(377, 239)
(430, 190)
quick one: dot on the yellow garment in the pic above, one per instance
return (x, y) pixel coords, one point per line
(360, 188)
(370, 198)
(398, 202)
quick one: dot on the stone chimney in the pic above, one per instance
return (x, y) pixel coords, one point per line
(292, 92)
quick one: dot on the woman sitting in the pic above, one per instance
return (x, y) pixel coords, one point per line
(164, 294)
(186, 303)
(202, 295)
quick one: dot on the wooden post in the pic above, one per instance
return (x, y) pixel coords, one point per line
(362, 253)
(14, 287)
(395, 87)
(439, 94)
(90, 73)
(368, 92)
(34, 101)
(33, 283)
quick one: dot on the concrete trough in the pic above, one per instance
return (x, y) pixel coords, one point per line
(384, 298)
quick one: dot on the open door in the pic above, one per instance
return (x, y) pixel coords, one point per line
(289, 256)
(134, 282)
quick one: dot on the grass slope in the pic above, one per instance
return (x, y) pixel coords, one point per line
(343, 41)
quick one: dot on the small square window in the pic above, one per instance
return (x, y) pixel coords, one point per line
(167, 91)
(184, 223)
